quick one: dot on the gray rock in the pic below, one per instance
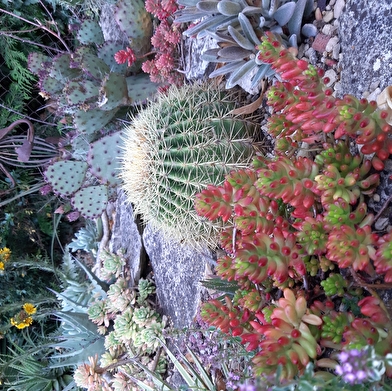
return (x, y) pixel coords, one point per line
(177, 270)
(331, 44)
(331, 74)
(328, 16)
(365, 39)
(338, 8)
(126, 236)
(193, 68)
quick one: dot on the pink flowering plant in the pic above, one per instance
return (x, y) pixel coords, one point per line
(161, 61)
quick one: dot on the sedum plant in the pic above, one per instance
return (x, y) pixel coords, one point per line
(290, 217)
(174, 148)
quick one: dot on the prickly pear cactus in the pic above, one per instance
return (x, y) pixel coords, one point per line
(103, 158)
(92, 120)
(113, 92)
(66, 177)
(90, 33)
(88, 83)
(36, 61)
(135, 22)
(177, 146)
(91, 201)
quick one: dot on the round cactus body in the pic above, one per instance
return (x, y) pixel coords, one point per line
(184, 141)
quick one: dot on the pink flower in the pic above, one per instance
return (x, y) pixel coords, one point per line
(164, 62)
(72, 216)
(46, 189)
(123, 56)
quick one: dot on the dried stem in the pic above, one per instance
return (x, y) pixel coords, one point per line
(369, 287)
(24, 40)
(39, 25)
(383, 208)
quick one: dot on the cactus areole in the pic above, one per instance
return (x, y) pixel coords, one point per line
(184, 141)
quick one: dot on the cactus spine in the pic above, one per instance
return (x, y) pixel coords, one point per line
(177, 146)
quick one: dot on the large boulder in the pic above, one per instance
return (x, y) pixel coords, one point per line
(178, 270)
(126, 235)
(365, 37)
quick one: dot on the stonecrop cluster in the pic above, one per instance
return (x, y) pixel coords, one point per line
(297, 227)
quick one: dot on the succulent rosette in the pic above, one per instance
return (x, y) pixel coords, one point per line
(288, 340)
(312, 235)
(383, 259)
(291, 181)
(348, 246)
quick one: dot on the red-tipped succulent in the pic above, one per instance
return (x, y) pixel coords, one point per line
(288, 340)
(332, 184)
(383, 259)
(291, 181)
(348, 246)
(311, 109)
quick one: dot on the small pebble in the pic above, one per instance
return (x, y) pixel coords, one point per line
(338, 8)
(336, 51)
(328, 7)
(318, 15)
(331, 74)
(374, 85)
(338, 88)
(376, 197)
(373, 95)
(328, 16)
(330, 62)
(381, 223)
(320, 42)
(312, 56)
(328, 29)
(331, 44)
(301, 50)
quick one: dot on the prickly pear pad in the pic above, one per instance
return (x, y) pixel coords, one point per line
(66, 177)
(91, 201)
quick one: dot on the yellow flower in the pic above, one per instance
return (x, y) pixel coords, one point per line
(23, 323)
(29, 308)
(5, 254)
(1, 265)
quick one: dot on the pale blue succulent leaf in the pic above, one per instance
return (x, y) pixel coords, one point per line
(276, 30)
(284, 13)
(240, 39)
(208, 23)
(237, 75)
(260, 74)
(247, 29)
(229, 8)
(188, 3)
(220, 37)
(227, 68)
(186, 17)
(250, 10)
(295, 23)
(234, 53)
(208, 6)
(293, 41)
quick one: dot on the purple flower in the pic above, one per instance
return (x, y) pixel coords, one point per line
(46, 189)
(247, 387)
(354, 367)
